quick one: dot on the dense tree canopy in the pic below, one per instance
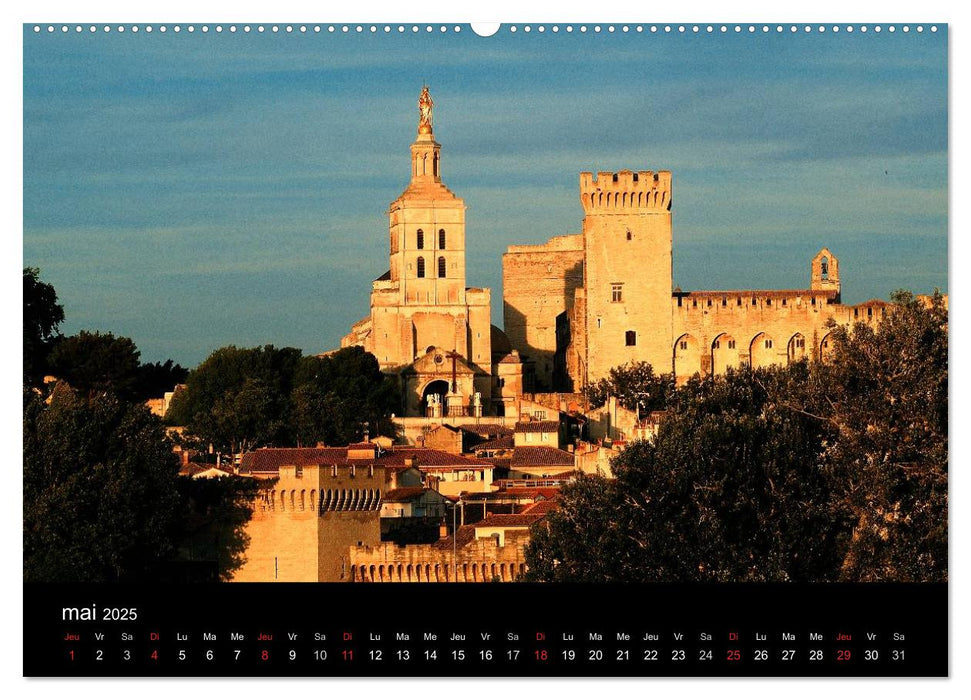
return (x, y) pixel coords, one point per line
(240, 399)
(731, 490)
(42, 317)
(97, 362)
(885, 392)
(636, 387)
(100, 497)
(832, 471)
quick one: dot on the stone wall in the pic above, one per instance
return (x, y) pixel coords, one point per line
(479, 560)
(303, 527)
(538, 282)
(627, 264)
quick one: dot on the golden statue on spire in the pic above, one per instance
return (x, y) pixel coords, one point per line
(425, 105)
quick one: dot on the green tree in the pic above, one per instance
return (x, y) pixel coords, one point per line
(238, 399)
(732, 489)
(97, 362)
(42, 317)
(100, 497)
(824, 471)
(884, 392)
(156, 378)
(636, 387)
(336, 394)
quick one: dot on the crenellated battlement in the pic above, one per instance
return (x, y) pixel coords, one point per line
(626, 191)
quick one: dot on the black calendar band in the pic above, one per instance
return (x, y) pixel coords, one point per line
(362, 630)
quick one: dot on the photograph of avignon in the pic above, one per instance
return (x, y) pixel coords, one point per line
(394, 305)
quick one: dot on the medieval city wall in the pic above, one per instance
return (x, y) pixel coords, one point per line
(481, 560)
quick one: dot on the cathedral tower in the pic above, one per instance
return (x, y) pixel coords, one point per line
(427, 227)
(426, 327)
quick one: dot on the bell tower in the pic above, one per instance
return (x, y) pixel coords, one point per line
(427, 226)
(825, 272)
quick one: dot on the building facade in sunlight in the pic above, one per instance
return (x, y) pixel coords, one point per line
(425, 326)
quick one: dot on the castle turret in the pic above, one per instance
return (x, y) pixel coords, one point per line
(628, 276)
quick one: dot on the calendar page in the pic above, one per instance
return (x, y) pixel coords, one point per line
(519, 350)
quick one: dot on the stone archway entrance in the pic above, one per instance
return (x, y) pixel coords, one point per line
(440, 387)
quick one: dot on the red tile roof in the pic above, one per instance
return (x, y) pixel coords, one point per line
(428, 458)
(538, 426)
(499, 443)
(404, 494)
(534, 493)
(463, 536)
(541, 457)
(270, 459)
(507, 520)
(193, 468)
(544, 507)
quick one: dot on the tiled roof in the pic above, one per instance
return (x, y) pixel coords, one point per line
(541, 507)
(463, 536)
(406, 493)
(270, 459)
(541, 457)
(506, 520)
(534, 493)
(488, 430)
(499, 462)
(538, 426)
(426, 457)
(193, 468)
(499, 443)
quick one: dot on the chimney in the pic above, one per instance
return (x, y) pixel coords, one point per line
(442, 531)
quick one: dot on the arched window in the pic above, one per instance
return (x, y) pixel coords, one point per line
(441, 267)
(421, 240)
(630, 338)
(421, 266)
(441, 238)
(824, 268)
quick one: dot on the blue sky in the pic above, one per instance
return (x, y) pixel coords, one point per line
(198, 190)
